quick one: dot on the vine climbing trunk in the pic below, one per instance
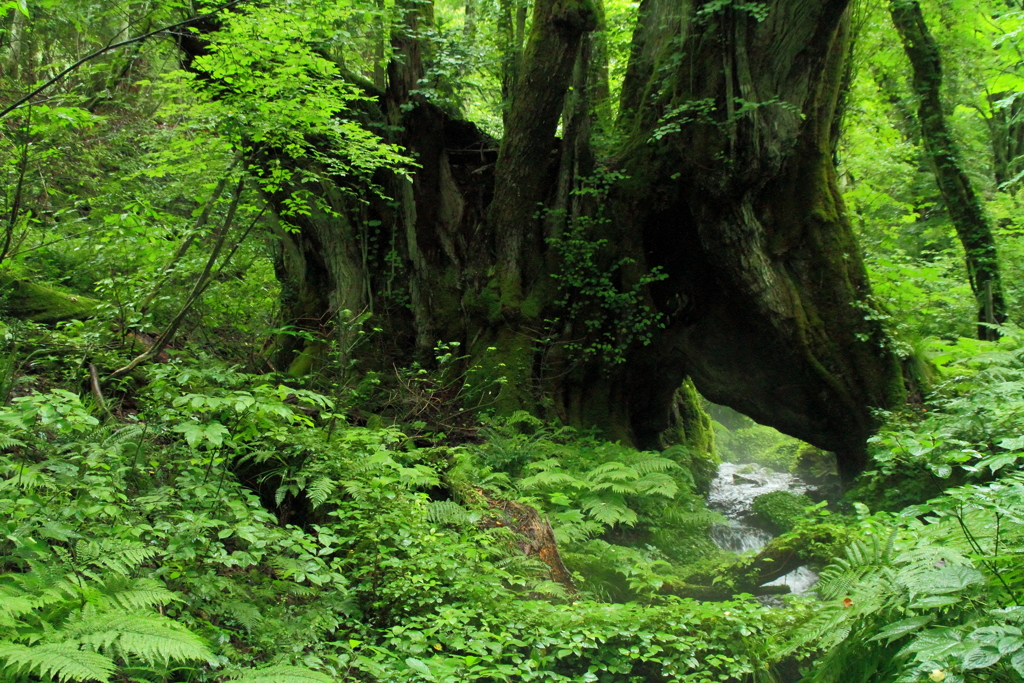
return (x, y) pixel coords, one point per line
(957, 191)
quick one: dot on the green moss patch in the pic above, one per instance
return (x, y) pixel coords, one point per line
(779, 511)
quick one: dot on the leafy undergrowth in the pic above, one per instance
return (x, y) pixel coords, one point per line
(931, 585)
(232, 527)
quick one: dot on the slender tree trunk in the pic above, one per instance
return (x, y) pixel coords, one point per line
(379, 67)
(1006, 130)
(961, 200)
(599, 85)
(509, 56)
(526, 149)
(469, 23)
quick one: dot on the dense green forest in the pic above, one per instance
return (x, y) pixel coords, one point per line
(512, 340)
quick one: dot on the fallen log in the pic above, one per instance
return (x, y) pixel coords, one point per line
(26, 300)
(809, 544)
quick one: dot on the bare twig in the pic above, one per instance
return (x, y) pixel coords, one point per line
(94, 381)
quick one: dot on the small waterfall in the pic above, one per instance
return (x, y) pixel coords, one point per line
(732, 494)
(738, 537)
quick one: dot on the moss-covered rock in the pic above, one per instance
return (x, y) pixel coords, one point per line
(779, 511)
(816, 466)
(690, 441)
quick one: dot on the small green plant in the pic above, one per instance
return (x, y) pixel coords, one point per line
(607, 309)
(83, 617)
(937, 588)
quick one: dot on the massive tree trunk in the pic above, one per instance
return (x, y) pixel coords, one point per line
(958, 193)
(714, 245)
(732, 192)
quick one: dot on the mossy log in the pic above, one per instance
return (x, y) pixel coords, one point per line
(26, 300)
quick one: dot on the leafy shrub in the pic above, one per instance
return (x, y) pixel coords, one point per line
(606, 502)
(970, 430)
(934, 589)
(83, 617)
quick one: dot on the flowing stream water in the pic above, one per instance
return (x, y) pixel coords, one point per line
(732, 494)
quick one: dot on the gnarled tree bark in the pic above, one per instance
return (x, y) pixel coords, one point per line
(733, 193)
(724, 181)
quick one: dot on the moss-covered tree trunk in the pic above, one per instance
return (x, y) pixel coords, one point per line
(958, 193)
(713, 245)
(732, 191)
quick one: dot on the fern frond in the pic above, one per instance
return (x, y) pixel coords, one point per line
(447, 512)
(122, 557)
(657, 483)
(9, 442)
(13, 605)
(612, 471)
(245, 613)
(281, 674)
(138, 594)
(147, 636)
(123, 434)
(653, 463)
(608, 509)
(549, 478)
(26, 477)
(377, 461)
(63, 661)
(320, 491)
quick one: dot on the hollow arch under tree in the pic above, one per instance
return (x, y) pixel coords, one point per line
(723, 185)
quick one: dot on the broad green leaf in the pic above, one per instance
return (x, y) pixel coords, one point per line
(420, 667)
(902, 628)
(980, 657)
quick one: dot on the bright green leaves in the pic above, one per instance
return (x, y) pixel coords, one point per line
(281, 674)
(941, 581)
(19, 5)
(605, 306)
(62, 662)
(268, 88)
(202, 417)
(602, 491)
(196, 433)
(83, 624)
(945, 590)
(60, 411)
